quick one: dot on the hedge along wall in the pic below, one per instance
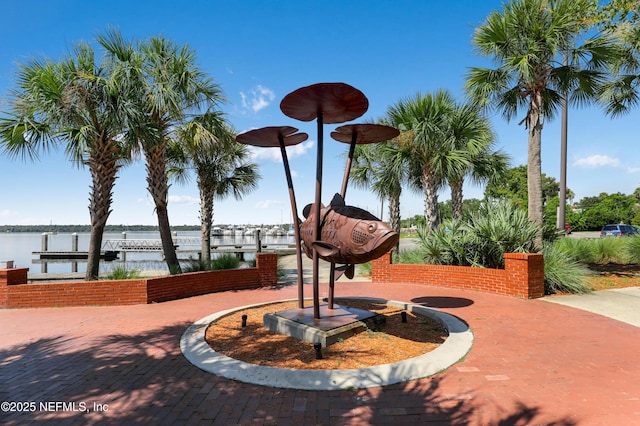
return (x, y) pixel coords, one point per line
(523, 275)
(16, 293)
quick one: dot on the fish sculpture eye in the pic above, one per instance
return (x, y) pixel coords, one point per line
(372, 228)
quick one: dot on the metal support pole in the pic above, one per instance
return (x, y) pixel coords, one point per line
(562, 217)
(343, 193)
(316, 228)
(296, 222)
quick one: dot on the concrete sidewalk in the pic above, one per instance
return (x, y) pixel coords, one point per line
(621, 304)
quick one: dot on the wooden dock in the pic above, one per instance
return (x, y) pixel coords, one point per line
(108, 255)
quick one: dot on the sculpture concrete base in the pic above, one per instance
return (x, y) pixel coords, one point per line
(334, 324)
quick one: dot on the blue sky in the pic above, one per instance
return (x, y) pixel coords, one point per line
(259, 52)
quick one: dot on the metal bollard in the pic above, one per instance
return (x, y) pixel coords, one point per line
(318, 348)
(258, 242)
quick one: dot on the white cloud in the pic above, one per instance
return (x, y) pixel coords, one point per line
(258, 98)
(597, 160)
(273, 154)
(183, 199)
(7, 213)
(266, 204)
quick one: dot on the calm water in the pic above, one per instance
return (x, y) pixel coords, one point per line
(19, 247)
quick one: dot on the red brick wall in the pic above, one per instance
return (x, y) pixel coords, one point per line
(80, 293)
(523, 275)
(16, 293)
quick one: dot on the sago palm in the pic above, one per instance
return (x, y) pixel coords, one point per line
(527, 40)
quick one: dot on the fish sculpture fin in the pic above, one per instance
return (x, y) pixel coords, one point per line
(324, 248)
(338, 272)
(347, 270)
(337, 201)
(306, 210)
(350, 271)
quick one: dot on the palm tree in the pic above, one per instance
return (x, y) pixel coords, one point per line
(621, 19)
(527, 40)
(425, 135)
(473, 137)
(207, 145)
(83, 105)
(381, 167)
(173, 86)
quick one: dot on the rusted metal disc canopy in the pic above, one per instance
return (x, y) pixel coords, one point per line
(364, 133)
(337, 102)
(268, 137)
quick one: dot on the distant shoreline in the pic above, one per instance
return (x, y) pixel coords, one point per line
(109, 228)
(87, 228)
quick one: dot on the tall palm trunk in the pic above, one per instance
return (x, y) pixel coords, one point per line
(429, 182)
(456, 198)
(206, 220)
(158, 187)
(394, 215)
(103, 169)
(534, 165)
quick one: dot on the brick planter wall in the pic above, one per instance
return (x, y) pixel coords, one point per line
(16, 293)
(522, 277)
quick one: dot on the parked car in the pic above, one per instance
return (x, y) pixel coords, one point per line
(618, 230)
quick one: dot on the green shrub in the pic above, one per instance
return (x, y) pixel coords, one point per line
(364, 268)
(580, 249)
(562, 272)
(225, 261)
(632, 249)
(123, 273)
(193, 265)
(608, 250)
(494, 229)
(414, 256)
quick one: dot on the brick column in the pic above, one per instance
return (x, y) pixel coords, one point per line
(267, 264)
(9, 277)
(525, 272)
(381, 269)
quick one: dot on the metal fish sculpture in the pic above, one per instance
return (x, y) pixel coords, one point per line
(349, 235)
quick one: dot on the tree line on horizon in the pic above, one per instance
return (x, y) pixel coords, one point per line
(149, 99)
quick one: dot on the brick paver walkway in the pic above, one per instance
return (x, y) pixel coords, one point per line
(532, 363)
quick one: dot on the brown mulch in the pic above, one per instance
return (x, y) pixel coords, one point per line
(614, 275)
(396, 341)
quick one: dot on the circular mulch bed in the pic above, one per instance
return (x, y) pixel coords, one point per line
(394, 342)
